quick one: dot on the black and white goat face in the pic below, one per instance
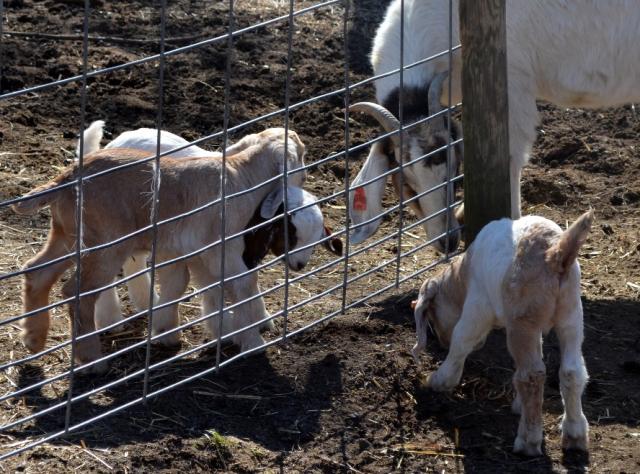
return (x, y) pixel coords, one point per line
(305, 227)
(422, 149)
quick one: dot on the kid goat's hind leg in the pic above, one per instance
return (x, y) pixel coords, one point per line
(573, 378)
(37, 286)
(525, 348)
(97, 269)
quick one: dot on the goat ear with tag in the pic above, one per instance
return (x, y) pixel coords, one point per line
(271, 203)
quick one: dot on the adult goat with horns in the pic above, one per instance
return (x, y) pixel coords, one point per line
(578, 53)
(424, 152)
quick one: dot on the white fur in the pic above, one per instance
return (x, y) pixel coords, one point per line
(309, 224)
(571, 53)
(92, 137)
(147, 139)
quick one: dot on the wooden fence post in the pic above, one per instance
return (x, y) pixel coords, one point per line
(485, 114)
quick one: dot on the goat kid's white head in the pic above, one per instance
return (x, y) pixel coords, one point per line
(425, 174)
(305, 227)
(433, 309)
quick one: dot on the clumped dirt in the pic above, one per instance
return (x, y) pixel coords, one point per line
(345, 395)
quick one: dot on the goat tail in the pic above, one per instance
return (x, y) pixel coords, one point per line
(91, 138)
(561, 255)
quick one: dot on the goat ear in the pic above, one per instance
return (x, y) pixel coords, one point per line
(459, 214)
(271, 203)
(563, 253)
(428, 292)
(456, 128)
(333, 245)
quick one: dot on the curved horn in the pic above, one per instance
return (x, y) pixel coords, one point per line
(435, 90)
(385, 118)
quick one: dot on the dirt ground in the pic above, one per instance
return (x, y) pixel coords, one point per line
(344, 396)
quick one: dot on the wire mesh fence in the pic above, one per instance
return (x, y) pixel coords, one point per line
(298, 294)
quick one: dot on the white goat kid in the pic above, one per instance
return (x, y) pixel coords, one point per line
(570, 53)
(522, 275)
(305, 227)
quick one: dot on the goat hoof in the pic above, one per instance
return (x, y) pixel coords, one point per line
(33, 342)
(251, 341)
(267, 326)
(115, 330)
(99, 368)
(102, 321)
(575, 434)
(437, 382)
(528, 448)
(170, 340)
(579, 443)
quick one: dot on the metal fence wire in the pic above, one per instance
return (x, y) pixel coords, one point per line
(326, 288)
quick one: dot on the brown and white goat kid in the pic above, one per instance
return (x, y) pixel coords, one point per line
(118, 203)
(305, 226)
(522, 275)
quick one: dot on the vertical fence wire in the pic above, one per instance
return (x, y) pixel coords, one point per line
(155, 203)
(1, 47)
(78, 221)
(223, 186)
(450, 191)
(400, 150)
(285, 171)
(347, 102)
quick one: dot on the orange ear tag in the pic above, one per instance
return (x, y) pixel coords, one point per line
(360, 200)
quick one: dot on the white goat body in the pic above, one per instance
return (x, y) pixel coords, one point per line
(521, 275)
(141, 139)
(571, 53)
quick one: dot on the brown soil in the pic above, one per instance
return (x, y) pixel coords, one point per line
(346, 395)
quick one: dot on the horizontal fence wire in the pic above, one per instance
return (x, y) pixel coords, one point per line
(331, 286)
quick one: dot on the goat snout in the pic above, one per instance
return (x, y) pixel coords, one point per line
(297, 266)
(448, 243)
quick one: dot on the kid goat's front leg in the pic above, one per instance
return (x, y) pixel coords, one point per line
(173, 280)
(470, 331)
(246, 288)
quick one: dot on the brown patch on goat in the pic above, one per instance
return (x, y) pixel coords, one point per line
(530, 286)
(258, 241)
